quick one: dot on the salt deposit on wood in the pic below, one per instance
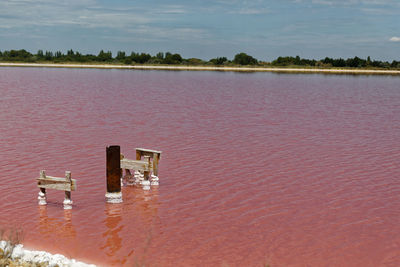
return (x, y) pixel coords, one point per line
(114, 197)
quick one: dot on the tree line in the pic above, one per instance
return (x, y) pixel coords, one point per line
(176, 59)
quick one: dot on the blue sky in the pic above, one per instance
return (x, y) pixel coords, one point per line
(205, 29)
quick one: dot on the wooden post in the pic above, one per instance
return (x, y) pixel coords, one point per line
(138, 174)
(146, 182)
(67, 200)
(147, 172)
(138, 155)
(43, 175)
(68, 178)
(155, 164)
(113, 194)
(42, 192)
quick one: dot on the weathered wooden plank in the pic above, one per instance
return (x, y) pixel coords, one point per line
(56, 183)
(137, 165)
(147, 172)
(156, 158)
(138, 155)
(147, 152)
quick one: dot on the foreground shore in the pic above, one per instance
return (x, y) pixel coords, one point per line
(19, 256)
(207, 68)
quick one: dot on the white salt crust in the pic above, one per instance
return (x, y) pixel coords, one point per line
(22, 254)
(114, 197)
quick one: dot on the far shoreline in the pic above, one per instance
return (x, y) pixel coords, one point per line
(208, 68)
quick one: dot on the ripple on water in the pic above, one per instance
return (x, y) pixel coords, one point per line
(257, 168)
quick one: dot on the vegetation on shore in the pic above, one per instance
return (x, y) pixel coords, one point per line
(10, 239)
(241, 59)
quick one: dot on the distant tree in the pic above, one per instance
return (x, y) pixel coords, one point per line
(120, 56)
(18, 55)
(48, 55)
(169, 58)
(368, 63)
(172, 58)
(104, 56)
(297, 61)
(177, 57)
(40, 54)
(218, 60)
(140, 58)
(339, 62)
(193, 61)
(160, 55)
(395, 64)
(58, 54)
(244, 59)
(355, 62)
(128, 60)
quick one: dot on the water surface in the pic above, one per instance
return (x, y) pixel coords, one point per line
(257, 168)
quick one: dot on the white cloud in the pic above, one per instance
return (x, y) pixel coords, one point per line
(253, 11)
(81, 13)
(394, 39)
(351, 2)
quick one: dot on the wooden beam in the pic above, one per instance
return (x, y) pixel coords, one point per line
(137, 165)
(147, 152)
(50, 182)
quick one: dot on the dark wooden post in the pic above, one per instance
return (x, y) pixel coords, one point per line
(113, 174)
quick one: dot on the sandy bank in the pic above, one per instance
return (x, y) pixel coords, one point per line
(20, 255)
(206, 68)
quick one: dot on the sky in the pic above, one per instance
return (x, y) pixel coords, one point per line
(206, 29)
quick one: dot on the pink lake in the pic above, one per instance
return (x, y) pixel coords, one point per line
(257, 168)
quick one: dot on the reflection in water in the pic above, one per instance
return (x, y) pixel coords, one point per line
(58, 229)
(112, 234)
(140, 209)
(147, 207)
(56, 226)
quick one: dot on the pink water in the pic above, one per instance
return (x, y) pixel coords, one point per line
(257, 168)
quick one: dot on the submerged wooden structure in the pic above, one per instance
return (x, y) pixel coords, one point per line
(49, 182)
(145, 168)
(146, 163)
